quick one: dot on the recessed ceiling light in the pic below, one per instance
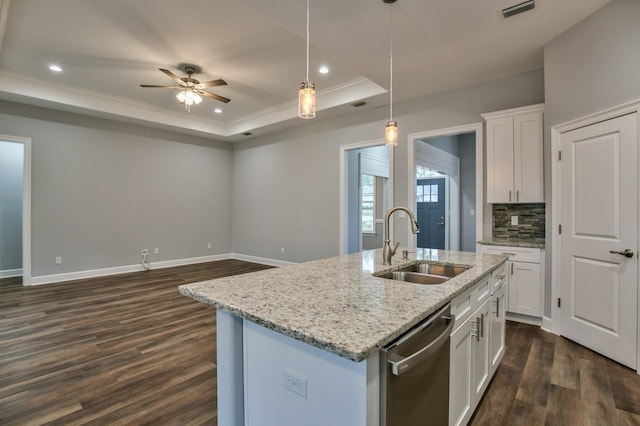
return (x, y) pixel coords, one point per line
(217, 111)
(323, 69)
(54, 67)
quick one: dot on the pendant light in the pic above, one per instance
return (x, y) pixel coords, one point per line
(391, 129)
(307, 93)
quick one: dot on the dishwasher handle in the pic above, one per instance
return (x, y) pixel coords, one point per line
(406, 363)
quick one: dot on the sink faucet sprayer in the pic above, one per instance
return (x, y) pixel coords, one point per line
(388, 252)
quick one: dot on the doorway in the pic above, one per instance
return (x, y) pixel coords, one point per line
(366, 184)
(15, 204)
(457, 154)
(596, 266)
(430, 212)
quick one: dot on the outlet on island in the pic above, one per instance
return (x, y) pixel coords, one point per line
(295, 384)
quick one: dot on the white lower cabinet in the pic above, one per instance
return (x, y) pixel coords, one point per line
(525, 278)
(477, 344)
(497, 320)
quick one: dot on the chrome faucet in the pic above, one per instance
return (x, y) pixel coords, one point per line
(388, 252)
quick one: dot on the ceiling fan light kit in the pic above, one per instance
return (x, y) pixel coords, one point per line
(191, 90)
(307, 91)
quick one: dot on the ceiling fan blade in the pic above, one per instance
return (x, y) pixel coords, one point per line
(214, 96)
(160, 86)
(212, 83)
(173, 76)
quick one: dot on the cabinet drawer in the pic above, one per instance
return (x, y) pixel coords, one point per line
(518, 254)
(469, 301)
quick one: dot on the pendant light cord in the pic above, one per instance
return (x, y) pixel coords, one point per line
(307, 41)
(390, 65)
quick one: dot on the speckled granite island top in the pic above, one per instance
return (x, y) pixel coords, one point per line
(337, 304)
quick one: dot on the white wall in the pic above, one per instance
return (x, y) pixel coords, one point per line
(593, 66)
(11, 171)
(286, 185)
(102, 191)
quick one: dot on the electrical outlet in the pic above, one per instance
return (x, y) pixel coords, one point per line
(282, 250)
(209, 245)
(156, 250)
(58, 260)
(145, 252)
(514, 220)
(295, 384)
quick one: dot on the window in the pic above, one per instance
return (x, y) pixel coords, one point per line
(368, 204)
(427, 194)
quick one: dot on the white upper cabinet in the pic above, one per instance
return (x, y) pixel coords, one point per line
(514, 155)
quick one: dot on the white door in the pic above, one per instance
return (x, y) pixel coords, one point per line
(599, 215)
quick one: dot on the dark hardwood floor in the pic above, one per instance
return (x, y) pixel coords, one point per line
(130, 349)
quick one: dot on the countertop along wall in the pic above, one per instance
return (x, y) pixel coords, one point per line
(102, 191)
(286, 185)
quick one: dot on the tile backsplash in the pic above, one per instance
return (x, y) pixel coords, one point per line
(530, 225)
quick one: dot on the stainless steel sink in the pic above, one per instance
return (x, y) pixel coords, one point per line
(424, 273)
(414, 277)
(433, 269)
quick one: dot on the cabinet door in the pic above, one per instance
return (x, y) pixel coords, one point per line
(500, 173)
(497, 326)
(524, 288)
(527, 154)
(460, 395)
(481, 357)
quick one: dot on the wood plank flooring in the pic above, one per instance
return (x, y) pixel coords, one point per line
(129, 349)
(126, 349)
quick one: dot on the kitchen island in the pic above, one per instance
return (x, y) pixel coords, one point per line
(300, 344)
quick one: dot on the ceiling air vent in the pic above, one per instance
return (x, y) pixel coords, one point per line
(358, 104)
(518, 8)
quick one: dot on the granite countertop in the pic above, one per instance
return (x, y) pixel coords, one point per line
(337, 304)
(515, 242)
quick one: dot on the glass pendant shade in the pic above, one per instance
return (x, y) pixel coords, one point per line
(188, 97)
(391, 133)
(307, 100)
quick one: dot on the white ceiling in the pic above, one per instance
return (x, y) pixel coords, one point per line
(108, 48)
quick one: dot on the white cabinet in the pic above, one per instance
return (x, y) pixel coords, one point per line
(497, 317)
(471, 366)
(525, 278)
(515, 155)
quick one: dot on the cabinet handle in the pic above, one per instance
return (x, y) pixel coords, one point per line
(518, 195)
(501, 277)
(512, 269)
(481, 325)
(508, 254)
(476, 332)
(509, 195)
(497, 307)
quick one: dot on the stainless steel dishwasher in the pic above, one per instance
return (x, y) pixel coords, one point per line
(414, 375)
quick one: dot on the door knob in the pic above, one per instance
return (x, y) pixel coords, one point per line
(625, 252)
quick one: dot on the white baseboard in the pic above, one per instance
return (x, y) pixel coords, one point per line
(80, 275)
(524, 319)
(8, 273)
(548, 325)
(261, 260)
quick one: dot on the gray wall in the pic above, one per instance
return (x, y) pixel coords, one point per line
(294, 175)
(593, 66)
(467, 149)
(11, 172)
(102, 191)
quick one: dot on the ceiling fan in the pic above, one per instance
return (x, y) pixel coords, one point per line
(190, 88)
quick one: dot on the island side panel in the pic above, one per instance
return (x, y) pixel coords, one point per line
(336, 388)
(229, 329)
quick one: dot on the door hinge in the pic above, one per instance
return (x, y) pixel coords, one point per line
(559, 229)
(559, 302)
(559, 155)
